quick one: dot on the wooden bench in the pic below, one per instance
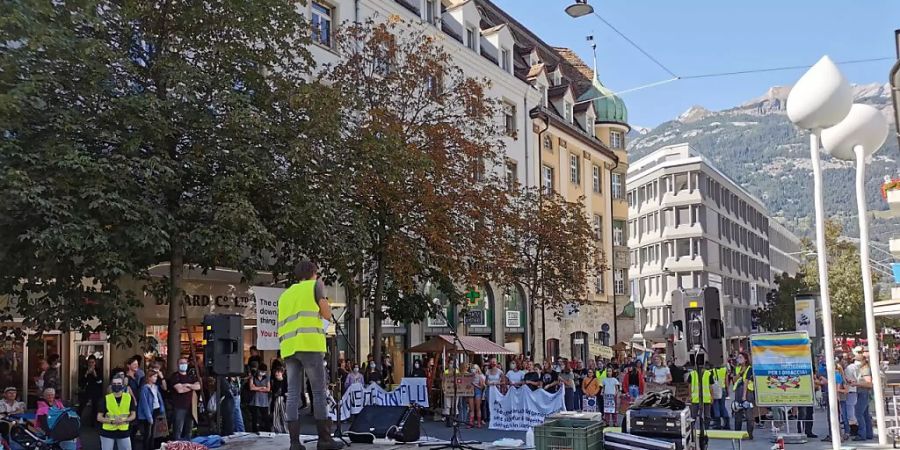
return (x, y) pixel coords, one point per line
(734, 436)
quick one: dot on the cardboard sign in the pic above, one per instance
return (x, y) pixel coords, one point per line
(463, 389)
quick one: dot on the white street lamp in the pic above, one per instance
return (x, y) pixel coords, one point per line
(858, 136)
(820, 99)
(579, 8)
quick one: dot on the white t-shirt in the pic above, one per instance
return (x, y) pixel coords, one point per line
(610, 385)
(515, 376)
(661, 374)
(851, 373)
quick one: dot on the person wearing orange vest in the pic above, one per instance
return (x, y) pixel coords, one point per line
(302, 308)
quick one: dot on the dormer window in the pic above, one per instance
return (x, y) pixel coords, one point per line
(556, 78)
(430, 8)
(568, 107)
(533, 58)
(470, 39)
(589, 125)
(505, 60)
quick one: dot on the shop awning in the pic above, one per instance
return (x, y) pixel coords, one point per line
(468, 344)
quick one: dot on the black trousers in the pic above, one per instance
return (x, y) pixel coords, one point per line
(146, 435)
(259, 418)
(805, 420)
(94, 399)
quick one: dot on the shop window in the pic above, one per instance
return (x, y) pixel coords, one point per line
(513, 307)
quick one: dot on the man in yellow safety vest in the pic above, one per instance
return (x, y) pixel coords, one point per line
(303, 311)
(707, 394)
(116, 414)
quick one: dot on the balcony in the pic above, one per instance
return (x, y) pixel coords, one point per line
(682, 231)
(684, 264)
(895, 247)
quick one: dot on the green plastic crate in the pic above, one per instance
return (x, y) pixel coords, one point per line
(569, 434)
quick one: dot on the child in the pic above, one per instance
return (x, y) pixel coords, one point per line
(611, 388)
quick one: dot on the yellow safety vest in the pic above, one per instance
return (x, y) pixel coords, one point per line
(119, 410)
(695, 391)
(299, 324)
(600, 376)
(741, 375)
(722, 376)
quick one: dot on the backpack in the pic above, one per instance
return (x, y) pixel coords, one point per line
(64, 424)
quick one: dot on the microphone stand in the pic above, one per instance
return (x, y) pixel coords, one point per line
(456, 442)
(339, 434)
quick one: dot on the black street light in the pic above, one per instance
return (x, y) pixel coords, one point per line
(579, 8)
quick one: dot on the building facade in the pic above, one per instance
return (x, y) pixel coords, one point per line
(691, 226)
(785, 251)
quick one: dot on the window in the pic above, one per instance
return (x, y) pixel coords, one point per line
(429, 11)
(568, 108)
(547, 179)
(556, 78)
(597, 179)
(617, 185)
(598, 284)
(615, 139)
(589, 125)
(619, 281)
(681, 182)
(504, 60)
(598, 227)
(618, 232)
(433, 86)
(575, 169)
(321, 24)
(509, 120)
(470, 39)
(511, 174)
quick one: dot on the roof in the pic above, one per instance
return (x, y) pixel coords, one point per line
(558, 90)
(608, 106)
(467, 344)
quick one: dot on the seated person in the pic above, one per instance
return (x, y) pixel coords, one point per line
(9, 404)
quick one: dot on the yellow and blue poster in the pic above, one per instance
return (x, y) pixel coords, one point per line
(782, 369)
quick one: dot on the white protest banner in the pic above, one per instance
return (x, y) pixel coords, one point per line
(267, 316)
(356, 396)
(522, 408)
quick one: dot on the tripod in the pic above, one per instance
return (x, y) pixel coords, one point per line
(701, 408)
(456, 442)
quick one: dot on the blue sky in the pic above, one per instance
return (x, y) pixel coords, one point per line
(706, 36)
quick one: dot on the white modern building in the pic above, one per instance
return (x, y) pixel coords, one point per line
(691, 226)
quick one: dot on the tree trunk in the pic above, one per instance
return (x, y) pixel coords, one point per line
(531, 336)
(176, 272)
(376, 312)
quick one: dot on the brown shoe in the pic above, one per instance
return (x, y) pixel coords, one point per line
(294, 434)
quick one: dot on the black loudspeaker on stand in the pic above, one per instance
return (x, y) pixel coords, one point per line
(223, 356)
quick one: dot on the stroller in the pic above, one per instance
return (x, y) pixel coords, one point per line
(64, 426)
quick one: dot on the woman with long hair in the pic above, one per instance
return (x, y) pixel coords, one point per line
(279, 399)
(478, 382)
(150, 406)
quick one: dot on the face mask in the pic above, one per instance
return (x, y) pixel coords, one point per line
(262, 374)
(416, 365)
(356, 370)
(182, 367)
(118, 388)
(740, 360)
(512, 366)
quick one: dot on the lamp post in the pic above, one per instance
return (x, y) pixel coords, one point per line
(820, 99)
(858, 136)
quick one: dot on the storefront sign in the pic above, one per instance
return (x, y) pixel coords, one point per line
(522, 408)
(464, 387)
(475, 317)
(782, 369)
(513, 319)
(356, 396)
(267, 316)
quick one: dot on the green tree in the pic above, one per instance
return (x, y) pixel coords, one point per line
(145, 132)
(417, 171)
(554, 255)
(778, 312)
(844, 279)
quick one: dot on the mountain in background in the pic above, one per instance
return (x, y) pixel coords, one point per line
(757, 146)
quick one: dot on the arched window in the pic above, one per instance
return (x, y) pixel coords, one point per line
(552, 349)
(580, 345)
(513, 307)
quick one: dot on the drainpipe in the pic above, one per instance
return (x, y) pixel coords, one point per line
(613, 256)
(539, 113)
(895, 86)
(356, 11)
